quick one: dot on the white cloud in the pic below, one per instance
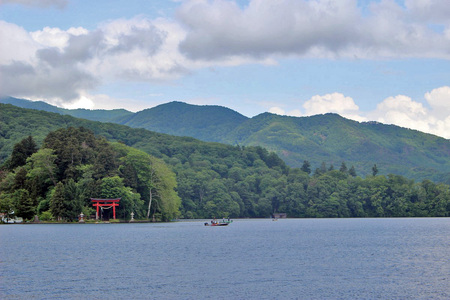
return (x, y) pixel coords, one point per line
(433, 11)
(55, 37)
(82, 102)
(403, 111)
(16, 44)
(277, 110)
(439, 101)
(322, 28)
(64, 64)
(263, 28)
(402, 103)
(332, 103)
(97, 101)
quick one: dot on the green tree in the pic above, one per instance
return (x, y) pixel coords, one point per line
(152, 179)
(22, 150)
(57, 207)
(306, 167)
(374, 170)
(24, 204)
(320, 171)
(105, 164)
(163, 183)
(112, 188)
(352, 171)
(72, 201)
(42, 166)
(7, 205)
(44, 205)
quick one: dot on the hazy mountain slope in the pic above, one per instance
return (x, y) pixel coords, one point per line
(101, 115)
(208, 123)
(39, 105)
(88, 114)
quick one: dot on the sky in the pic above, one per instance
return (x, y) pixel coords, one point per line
(367, 60)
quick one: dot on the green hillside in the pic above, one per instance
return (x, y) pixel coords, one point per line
(101, 115)
(327, 138)
(208, 123)
(333, 139)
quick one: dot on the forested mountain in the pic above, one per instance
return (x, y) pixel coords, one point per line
(207, 123)
(212, 179)
(332, 139)
(88, 114)
(39, 105)
(329, 138)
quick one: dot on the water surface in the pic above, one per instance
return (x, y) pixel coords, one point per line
(250, 259)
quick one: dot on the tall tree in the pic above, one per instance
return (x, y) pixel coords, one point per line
(24, 204)
(72, 201)
(306, 167)
(57, 202)
(343, 168)
(22, 150)
(42, 165)
(352, 171)
(374, 170)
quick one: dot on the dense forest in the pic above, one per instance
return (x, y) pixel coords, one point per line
(211, 179)
(57, 181)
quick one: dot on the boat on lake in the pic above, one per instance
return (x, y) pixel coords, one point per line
(221, 223)
(216, 224)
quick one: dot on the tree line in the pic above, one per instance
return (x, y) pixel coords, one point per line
(258, 190)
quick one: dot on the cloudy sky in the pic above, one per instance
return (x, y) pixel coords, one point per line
(377, 60)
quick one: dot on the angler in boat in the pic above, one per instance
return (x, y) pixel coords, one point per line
(216, 223)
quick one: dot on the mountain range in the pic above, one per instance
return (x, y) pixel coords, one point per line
(328, 138)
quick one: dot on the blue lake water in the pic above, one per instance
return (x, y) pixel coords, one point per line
(250, 259)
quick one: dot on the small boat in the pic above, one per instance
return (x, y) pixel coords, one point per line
(216, 224)
(224, 222)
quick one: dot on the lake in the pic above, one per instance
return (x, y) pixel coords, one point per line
(249, 259)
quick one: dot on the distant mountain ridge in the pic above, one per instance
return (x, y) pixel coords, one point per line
(208, 123)
(101, 115)
(327, 138)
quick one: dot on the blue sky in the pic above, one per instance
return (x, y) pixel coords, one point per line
(384, 60)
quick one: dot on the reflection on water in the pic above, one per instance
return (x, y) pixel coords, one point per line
(250, 259)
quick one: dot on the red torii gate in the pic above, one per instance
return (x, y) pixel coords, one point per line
(105, 203)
